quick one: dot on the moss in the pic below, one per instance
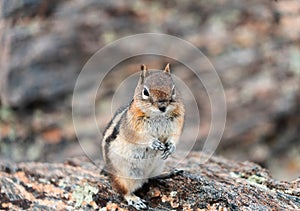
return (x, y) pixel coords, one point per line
(83, 194)
(256, 179)
(253, 179)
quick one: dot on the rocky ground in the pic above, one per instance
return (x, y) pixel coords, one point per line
(254, 46)
(218, 184)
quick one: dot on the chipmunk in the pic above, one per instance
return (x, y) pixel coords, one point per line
(143, 134)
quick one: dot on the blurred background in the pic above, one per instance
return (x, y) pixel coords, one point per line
(254, 46)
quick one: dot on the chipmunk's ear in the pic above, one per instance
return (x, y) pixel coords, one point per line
(167, 69)
(144, 72)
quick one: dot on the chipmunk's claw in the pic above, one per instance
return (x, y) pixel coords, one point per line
(136, 202)
(157, 145)
(169, 149)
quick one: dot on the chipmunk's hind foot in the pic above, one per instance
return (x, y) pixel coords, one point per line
(136, 202)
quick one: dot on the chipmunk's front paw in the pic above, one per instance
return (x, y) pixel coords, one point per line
(169, 149)
(157, 145)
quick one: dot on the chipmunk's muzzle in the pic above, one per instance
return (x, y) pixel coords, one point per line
(162, 105)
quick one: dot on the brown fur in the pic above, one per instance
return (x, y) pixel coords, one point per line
(159, 95)
(130, 139)
(136, 111)
(177, 112)
(117, 185)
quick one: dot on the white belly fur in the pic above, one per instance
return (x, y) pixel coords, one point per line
(133, 161)
(159, 127)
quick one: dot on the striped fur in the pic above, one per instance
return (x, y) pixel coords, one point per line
(128, 150)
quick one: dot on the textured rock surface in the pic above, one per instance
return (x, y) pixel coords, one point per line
(254, 46)
(219, 183)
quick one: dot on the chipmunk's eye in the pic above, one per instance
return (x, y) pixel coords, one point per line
(145, 93)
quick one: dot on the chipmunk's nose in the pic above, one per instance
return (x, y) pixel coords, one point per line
(162, 105)
(162, 108)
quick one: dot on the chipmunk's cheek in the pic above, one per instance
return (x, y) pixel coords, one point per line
(170, 108)
(154, 110)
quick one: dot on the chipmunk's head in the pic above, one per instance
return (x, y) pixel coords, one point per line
(156, 91)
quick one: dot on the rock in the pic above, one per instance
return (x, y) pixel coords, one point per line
(251, 43)
(46, 45)
(41, 70)
(23, 8)
(39, 63)
(77, 183)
